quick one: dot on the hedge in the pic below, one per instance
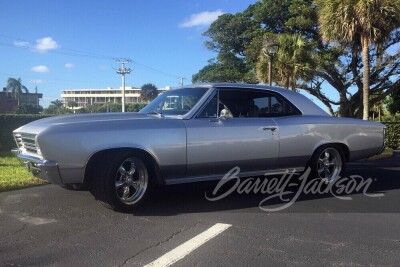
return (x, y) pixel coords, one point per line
(392, 134)
(10, 122)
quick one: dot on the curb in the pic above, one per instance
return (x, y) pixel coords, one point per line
(396, 153)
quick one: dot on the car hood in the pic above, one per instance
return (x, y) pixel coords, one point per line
(42, 124)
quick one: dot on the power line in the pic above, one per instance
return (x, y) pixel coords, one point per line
(58, 52)
(52, 79)
(80, 53)
(155, 70)
(71, 52)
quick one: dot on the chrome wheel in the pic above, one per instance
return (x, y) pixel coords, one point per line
(131, 181)
(329, 165)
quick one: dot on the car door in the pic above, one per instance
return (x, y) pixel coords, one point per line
(240, 138)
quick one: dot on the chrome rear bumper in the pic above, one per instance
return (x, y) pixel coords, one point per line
(43, 169)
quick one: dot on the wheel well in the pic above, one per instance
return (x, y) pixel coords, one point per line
(345, 150)
(149, 161)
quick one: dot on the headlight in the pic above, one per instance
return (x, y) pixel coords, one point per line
(38, 150)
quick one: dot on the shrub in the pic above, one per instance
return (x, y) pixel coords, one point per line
(135, 107)
(10, 122)
(392, 134)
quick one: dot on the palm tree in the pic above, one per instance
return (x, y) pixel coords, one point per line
(363, 22)
(57, 103)
(16, 87)
(292, 57)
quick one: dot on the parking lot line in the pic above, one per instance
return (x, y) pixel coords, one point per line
(183, 250)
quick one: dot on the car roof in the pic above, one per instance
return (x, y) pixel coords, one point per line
(305, 105)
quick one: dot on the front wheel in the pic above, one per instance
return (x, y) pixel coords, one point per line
(327, 164)
(121, 182)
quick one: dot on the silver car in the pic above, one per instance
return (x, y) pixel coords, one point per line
(191, 134)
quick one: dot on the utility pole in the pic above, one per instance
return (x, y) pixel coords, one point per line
(122, 70)
(181, 80)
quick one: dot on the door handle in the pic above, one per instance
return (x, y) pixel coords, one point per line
(269, 128)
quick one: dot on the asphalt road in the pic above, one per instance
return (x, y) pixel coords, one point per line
(51, 226)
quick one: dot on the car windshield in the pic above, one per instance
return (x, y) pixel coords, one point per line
(175, 102)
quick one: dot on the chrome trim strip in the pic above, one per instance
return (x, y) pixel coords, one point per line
(241, 175)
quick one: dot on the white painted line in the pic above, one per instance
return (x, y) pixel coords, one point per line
(36, 220)
(32, 220)
(183, 250)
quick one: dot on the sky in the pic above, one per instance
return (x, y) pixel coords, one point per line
(56, 45)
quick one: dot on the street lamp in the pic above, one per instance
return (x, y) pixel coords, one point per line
(269, 50)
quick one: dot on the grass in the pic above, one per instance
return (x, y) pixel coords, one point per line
(13, 175)
(387, 153)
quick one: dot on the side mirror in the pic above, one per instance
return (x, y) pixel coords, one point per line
(225, 114)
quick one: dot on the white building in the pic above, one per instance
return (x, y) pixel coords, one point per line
(84, 97)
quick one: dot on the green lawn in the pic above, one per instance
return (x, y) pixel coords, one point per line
(13, 175)
(387, 153)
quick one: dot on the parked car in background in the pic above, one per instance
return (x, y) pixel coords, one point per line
(191, 134)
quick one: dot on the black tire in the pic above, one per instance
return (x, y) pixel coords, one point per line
(75, 187)
(120, 189)
(327, 163)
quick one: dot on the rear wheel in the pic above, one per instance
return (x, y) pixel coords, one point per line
(75, 187)
(121, 182)
(327, 163)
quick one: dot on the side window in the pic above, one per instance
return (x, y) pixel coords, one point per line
(211, 109)
(281, 107)
(255, 103)
(238, 103)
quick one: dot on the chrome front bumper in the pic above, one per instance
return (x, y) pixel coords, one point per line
(43, 169)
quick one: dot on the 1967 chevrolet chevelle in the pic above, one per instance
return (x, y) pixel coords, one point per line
(191, 134)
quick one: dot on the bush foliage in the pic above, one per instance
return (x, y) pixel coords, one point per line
(393, 134)
(10, 122)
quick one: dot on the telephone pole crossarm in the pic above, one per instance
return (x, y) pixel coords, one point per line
(181, 80)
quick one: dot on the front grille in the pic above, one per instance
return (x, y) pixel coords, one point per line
(18, 140)
(27, 142)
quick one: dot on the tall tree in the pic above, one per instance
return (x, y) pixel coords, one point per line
(57, 103)
(56, 107)
(363, 22)
(149, 92)
(337, 69)
(16, 87)
(291, 63)
(393, 103)
(72, 104)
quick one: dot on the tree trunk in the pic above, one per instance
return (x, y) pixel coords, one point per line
(365, 59)
(287, 81)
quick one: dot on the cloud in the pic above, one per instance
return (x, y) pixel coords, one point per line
(38, 81)
(45, 44)
(21, 44)
(201, 19)
(40, 69)
(69, 65)
(42, 45)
